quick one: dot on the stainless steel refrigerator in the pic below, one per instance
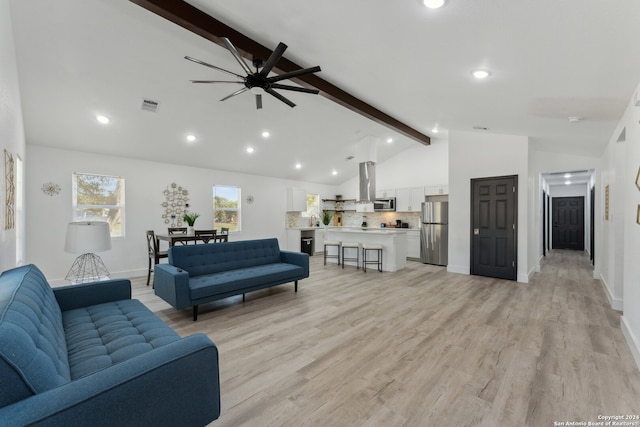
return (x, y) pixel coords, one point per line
(434, 234)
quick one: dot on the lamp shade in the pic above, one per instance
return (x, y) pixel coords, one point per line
(87, 237)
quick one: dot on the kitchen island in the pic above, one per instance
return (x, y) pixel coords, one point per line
(393, 241)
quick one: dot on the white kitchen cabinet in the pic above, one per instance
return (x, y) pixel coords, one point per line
(296, 200)
(413, 244)
(293, 239)
(436, 190)
(409, 199)
(383, 194)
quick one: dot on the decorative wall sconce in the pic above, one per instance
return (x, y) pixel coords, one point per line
(51, 188)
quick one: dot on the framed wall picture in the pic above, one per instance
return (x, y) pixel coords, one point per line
(638, 179)
(606, 203)
(638, 215)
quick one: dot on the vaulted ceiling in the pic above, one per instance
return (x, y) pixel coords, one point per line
(549, 60)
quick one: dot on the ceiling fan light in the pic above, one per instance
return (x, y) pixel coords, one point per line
(433, 4)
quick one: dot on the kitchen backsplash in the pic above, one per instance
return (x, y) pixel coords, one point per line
(355, 219)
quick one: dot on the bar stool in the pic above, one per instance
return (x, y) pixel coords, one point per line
(330, 243)
(371, 247)
(351, 245)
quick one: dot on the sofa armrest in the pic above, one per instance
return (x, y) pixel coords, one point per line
(86, 294)
(172, 285)
(297, 258)
(177, 384)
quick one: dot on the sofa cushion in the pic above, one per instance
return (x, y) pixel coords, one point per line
(33, 351)
(227, 281)
(216, 257)
(102, 335)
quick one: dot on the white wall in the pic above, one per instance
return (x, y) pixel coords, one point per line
(481, 155)
(423, 165)
(11, 138)
(145, 181)
(630, 194)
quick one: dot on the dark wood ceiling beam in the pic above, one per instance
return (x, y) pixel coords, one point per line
(198, 22)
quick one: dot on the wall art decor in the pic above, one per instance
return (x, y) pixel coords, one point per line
(176, 204)
(638, 215)
(638, 179)
(10, 191)
(606, 203)
(50, 188)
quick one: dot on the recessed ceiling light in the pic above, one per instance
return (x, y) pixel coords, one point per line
(575, 119)
(433, 4)
(389, 140)
(298, 165)
(191, 138)
(567, 182)
(334, 173)
(435, 129)
(481, 74)
(567, 175)
(266, 134)
(249, 149)
(102, 119)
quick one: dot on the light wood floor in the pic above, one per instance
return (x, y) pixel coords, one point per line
(420, 347)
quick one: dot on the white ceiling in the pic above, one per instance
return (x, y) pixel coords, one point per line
(549, 59)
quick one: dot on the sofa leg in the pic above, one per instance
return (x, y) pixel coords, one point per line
(195, 313)
(296, 287)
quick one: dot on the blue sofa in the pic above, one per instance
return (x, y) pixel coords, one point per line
(197, 274)
(90, 355)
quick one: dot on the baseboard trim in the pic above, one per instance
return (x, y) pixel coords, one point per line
(615, 303)
(632, 341)
(458, 269)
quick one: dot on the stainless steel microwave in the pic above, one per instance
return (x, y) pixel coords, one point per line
(387, 204)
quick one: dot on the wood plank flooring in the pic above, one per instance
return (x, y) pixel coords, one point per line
(419, 347)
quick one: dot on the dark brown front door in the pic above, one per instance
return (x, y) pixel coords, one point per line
(568, 223)
(493, 227)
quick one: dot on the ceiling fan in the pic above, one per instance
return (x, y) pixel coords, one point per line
(254, 81)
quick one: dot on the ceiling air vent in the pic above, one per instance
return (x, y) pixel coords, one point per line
(149, 105)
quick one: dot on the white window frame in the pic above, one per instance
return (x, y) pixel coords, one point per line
(238, 209)
(86, 212)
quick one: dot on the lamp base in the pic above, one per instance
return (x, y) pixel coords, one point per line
(87, 268)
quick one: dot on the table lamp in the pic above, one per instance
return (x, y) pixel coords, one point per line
(86, 238)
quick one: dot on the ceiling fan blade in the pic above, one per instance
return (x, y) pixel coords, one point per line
(273, 59)
(258, 101)
(238, 92)
(294, 74)
(213, 81)
(197, 61)
(236, 55)
(295, 88)
(280, 97)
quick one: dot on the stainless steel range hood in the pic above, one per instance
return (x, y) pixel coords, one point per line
(367, 182)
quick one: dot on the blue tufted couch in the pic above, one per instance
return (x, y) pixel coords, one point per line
(90, 355)
(197, 274)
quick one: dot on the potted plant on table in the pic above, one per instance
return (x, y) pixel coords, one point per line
(190, 219)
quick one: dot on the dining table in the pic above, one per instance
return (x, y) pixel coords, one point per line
(172, 239)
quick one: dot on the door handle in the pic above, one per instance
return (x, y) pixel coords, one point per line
(476, 231)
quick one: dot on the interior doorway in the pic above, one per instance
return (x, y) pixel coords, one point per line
(493, 227)
(568, 223)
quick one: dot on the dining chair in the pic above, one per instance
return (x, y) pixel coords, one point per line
(204, 235)
(178, 230)
(224, 230)
(154, 252)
